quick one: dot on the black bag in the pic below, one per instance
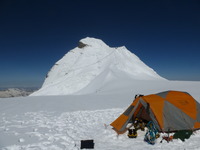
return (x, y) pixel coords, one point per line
(183, 134)
(89, 144)
(132, 133)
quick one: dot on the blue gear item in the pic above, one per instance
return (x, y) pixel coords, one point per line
(151, 134)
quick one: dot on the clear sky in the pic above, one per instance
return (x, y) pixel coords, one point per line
(34, 34)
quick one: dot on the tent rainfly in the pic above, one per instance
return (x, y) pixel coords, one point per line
(170, 111)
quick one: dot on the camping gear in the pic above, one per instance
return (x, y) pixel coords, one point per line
(151, 134)
(150, 137)
(169, 111)
(89, 144)
(167, 138)
(132, 133)
(136, 123)
(183, 134)
(139, 124)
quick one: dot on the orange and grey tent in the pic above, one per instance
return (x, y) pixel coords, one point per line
(169, 111)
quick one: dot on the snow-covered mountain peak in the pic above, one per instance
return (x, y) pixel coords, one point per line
(90, 66)
(93, 42)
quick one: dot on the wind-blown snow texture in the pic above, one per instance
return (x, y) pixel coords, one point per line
(87, 68)
(60, 122)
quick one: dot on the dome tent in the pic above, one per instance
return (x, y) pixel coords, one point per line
(169, 111)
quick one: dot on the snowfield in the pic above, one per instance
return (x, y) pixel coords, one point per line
(50, 131)
(83, 93)
(60, 122)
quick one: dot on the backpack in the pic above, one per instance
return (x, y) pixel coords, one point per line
(151, 134)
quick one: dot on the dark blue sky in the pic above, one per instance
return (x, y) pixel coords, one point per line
(165, 34)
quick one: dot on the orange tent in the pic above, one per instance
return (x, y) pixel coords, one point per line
(169, 110)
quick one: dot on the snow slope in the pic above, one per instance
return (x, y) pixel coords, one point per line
(60, 122)
(94, 62)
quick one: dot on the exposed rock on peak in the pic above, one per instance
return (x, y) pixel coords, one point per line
(81, 45)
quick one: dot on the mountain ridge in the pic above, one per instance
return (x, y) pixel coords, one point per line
(82, 65)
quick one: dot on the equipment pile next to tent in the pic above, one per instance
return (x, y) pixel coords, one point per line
(166, 112)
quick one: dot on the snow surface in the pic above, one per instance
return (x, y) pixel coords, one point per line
(95, 63)
(103, 82)
(60, 122)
